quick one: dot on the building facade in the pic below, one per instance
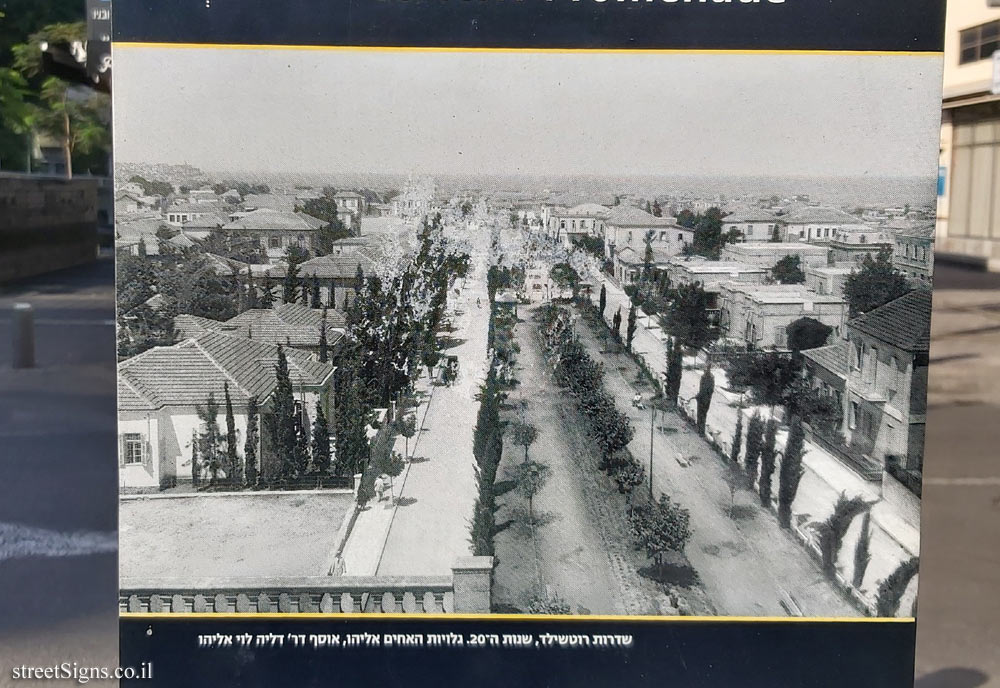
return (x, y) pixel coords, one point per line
(759, 314)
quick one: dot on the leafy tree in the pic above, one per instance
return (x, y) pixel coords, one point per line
(647, 256)
(766, 375)
(687, 317)
(807, 333)
(81, 126)
(565, 277)
(775, 235)
(675, 370)
(892, 589)
(630, 328)
(320, 442)
(407, 427)
(832, 531)
(523, 435)
(660, 527)
(232, 456)
(790, 472)
(734, 452)
(875, 283)
(325, 208)
(252, 443)
(862, 551)
(531, 478)
(706, 388)
(351, 423)
(656, 210)
(603, 302)
(788, 270)
(768, 453)
(755, 442)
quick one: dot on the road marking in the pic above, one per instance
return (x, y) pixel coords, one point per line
(991, 481)
(18, 542)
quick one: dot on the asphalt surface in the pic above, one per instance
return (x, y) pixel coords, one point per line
(58, 482)
(58, 491)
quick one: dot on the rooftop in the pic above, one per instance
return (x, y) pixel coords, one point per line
(717, 267)
(333, 266)
(832, 357)
(820, 215)
(186, 373)
(904, 322)
(265, 219)
(629, 216)
(750, 215)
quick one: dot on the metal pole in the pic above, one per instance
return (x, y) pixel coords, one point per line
(23, 344)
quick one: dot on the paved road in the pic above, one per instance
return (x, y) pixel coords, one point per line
(58, 506)
(430, 529)
(957, 628)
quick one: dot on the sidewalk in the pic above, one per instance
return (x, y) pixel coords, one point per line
(431, 525)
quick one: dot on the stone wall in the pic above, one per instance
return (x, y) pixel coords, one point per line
(46, 224)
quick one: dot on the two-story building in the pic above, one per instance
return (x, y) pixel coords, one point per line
(914, 253)
(887, 380)
(760, 314)
(629, 227)
(968, 224)
(277, 230)
(161, 390)
(853, 244)
(567, 225)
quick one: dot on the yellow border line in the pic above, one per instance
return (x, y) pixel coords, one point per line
(180, 616)
(596, 51)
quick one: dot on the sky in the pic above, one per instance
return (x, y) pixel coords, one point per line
(347, 111)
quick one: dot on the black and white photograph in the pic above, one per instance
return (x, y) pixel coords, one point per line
(522, 331)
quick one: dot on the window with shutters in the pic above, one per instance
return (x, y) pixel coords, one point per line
(134, 448)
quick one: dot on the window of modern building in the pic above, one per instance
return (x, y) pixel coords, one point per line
(979, 42)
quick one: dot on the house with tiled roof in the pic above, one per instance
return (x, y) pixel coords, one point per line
(753, 224)
(288, 324)
(276, 230)
(887, 380)
(817, 223)
(336, 274)
(161, 390)
(629, 227)
(180, 212)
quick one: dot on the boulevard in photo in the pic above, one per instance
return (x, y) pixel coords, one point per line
(522, 332)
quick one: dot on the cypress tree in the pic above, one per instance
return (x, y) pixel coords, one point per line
(616, 324)
(862, 552)
(603, 303)
(791, 472)
(290, 285)
(706, 388)
(283, 429)
(320, 442)
(210, 438)
(755, 439)
(195, 465)
(314, 297)
(232, 457)
(332, 296)
(630, 328)
(734, 453)
(250, 446)
(767, 456)
(324, 354)
(252, 298)
(267, 293)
